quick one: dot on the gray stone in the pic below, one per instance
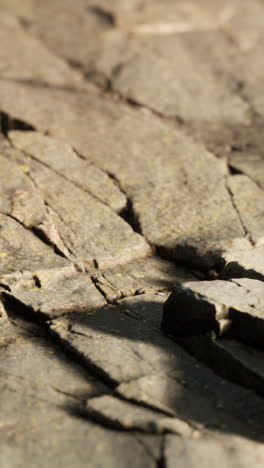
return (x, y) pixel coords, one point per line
(233, 360)
(178, 78)
(225, 307)
(190, 453)
(48, 295)
(123, 415)
(30, 359)
(83, 228)
(53, 153)
(193, 222)
(35, 432)
(21, 250)
(26, 59)
(250, 164)
(250, 204)
(201, 397)
(247, 263)
(124, 346)
(41, 396)
(148, 275)
(116, 342)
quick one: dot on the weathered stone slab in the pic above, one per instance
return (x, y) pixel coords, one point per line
(21, 250)
(201, 397)
(123, 415)
(247, 263)
(29, 358)
(233, 360)
(250, 204)
(250, 164)
(124, 346)
(148, 275)
(177, 189)
(136, 347)
(190, 453)
(171, 60)
(36, 433)
(54, 153)
(83, 228)
(41, 394)
(233, 307)
(24, 58)
(48, 295)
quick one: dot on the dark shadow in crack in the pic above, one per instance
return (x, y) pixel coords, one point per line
(123, 346)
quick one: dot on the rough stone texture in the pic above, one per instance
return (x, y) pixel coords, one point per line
(250, 164)
(103, 237)
(22, 251)
(123, 415)
(232, 307)
(54, 153)
(131, 163)
(206, 453)
(177, 189)
(250, 205)
(25, 60)
(141, 276)
(124, 346)
(247, 263)
(48, 295)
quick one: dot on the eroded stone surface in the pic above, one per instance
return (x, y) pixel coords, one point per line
(233, 307)
(49, 295)
(87, 229)
(25, 59)
(124, 346)
(141, 276)
(123, 415)
(156, 124)
(247, 263)
(21, 250)
(250, 205)
(55, 153)
(190, 453)
(177, 189)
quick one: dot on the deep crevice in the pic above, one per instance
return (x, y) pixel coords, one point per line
(129, 215)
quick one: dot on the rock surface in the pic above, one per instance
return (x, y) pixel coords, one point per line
(131, 176)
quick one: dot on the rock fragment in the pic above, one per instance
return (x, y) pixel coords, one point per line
(233, 307)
